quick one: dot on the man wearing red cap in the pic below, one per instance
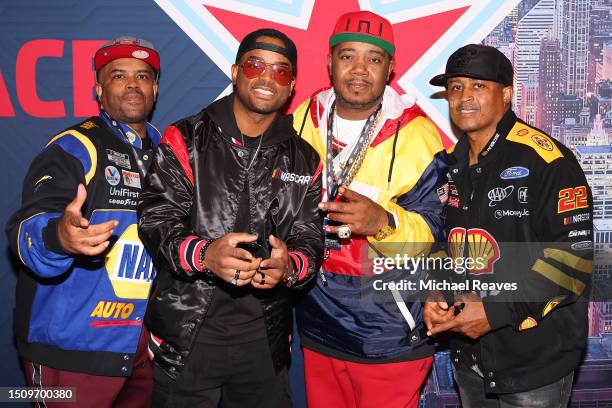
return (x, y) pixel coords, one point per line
(364, 341)
(82, 294)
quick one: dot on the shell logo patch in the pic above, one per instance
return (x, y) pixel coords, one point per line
(522, 132)
(129, 266)
(480, 245)
(554, 302)
(528, 323)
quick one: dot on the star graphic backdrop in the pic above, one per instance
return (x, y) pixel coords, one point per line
(46, 84)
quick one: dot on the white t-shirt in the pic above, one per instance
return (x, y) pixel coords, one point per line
(346, 132)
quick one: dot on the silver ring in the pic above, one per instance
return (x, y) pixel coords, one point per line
(263, 278)
(234, 280)
(344, 231)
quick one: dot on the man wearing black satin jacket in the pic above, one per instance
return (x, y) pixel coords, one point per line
(229, 214)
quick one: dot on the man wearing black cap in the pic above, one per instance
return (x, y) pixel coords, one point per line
(82, 295)
(230, 215)
(519, 200)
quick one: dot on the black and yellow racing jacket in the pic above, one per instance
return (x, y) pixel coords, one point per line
(525, 212)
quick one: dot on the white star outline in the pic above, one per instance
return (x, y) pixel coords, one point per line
(473, 26)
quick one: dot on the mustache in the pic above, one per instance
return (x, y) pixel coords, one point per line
(133, 91)
(265, 84)
(466, 106)
(359, 81)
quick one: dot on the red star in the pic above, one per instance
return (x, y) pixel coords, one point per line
(412, 39)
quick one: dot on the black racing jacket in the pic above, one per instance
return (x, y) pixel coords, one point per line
(192, 194)
(526, 210)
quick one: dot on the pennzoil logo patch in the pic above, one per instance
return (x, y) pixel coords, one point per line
(540, 143)
(543, 142)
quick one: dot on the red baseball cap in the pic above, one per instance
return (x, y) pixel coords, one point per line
(126, 47)
(364, 26)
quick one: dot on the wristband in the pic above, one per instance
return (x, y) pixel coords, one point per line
(206, 271)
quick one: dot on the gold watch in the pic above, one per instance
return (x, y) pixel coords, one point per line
(387, 230)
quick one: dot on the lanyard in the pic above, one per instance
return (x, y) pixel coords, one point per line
(333, 182)
(139, 163)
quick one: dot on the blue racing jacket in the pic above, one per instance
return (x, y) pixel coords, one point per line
(82, 313)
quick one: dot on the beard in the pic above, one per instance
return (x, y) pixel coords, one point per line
(360, 106)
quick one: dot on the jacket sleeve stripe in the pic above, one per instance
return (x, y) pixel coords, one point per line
(558, 277)
(195, 256)
(153, 345)
(32, 251)
(301, 262)
(173, 138)
(183, 252)
(569, 259)
(79, 146)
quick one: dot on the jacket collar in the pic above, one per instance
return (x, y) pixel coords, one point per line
(394, 106)
(221, 112)
(460, 156)
(128, 135)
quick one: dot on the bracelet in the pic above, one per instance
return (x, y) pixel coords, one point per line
(290, 279)
(387, 230)
(206, 271)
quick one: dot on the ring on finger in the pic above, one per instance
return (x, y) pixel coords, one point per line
(263, 277)
(234, 280)
(344, 232)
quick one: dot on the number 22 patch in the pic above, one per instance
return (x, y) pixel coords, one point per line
(572, 198)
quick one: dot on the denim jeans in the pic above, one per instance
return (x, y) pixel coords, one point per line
(471, 391)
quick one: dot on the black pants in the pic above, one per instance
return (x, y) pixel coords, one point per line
(224, 376)
(471, 390)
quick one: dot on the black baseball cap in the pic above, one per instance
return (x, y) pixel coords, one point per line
(249, 42)
(479, 62)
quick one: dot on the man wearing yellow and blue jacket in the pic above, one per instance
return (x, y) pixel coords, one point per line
(85, 279)
(384, 174)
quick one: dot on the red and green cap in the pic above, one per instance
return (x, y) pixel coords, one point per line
(364, 26)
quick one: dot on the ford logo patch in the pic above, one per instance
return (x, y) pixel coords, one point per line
(514, 173)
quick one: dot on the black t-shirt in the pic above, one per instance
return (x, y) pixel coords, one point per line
(235, 315)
